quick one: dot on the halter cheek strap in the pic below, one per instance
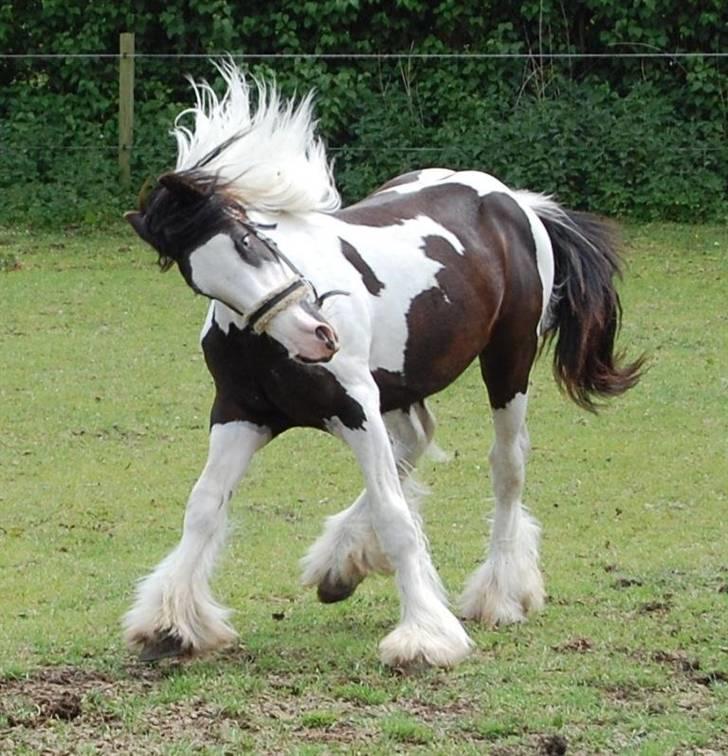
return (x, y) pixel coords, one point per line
(275, 302)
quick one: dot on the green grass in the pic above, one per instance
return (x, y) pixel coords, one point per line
(103, 413)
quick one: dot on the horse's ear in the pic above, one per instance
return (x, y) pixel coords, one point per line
(139, 224)
(182, 187)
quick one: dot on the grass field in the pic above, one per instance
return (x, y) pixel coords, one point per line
(103, 412)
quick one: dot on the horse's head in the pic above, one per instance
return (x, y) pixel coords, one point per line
(192, 222)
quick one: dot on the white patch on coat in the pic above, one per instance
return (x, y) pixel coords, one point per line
(533, 204)
(209, 318)
(224, 317)
(396, 256)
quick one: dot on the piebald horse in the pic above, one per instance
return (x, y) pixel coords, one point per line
(346, 320)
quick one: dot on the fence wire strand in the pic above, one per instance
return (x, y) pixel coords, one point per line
(366, 56)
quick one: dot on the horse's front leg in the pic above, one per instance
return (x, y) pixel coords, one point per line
(427, 631)
(174, 612)
(348, 550)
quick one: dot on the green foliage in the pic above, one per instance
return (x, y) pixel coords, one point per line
(645, 138)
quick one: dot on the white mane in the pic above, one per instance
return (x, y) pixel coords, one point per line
(274, 161)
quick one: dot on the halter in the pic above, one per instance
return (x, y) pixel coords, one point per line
(286, 295)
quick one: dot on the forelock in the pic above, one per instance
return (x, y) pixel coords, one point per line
(179, 224)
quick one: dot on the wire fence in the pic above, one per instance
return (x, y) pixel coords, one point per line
(142, 149)
(465, 56)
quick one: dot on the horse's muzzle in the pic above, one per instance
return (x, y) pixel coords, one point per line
(305, 333)
(322, 349)
(327, 335)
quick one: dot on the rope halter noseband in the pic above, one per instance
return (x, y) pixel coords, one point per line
(274, 302)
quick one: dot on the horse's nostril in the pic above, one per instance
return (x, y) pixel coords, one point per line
(327, 336)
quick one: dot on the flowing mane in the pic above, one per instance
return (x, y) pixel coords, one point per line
(266, 152)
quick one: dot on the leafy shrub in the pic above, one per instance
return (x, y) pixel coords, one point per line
(624, 136)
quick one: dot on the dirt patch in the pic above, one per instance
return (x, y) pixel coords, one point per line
(677, 659)
(575, 645)
(626, 693)
(626, 582)
(553, 745)
(654, 607)
(691, 668)
(439, 713)
(36, 712)
(51, 694)
(535, 745)
(340, 733)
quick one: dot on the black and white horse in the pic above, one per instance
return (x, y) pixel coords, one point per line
(346, 320)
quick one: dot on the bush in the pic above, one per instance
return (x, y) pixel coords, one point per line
(633, 137)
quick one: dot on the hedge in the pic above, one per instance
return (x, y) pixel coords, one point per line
(642, 137)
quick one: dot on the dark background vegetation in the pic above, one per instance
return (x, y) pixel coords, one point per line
(641, 137)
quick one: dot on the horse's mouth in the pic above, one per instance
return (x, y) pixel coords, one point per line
(316, 360)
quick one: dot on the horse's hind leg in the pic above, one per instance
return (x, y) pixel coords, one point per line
(348, 549)
(508, 584)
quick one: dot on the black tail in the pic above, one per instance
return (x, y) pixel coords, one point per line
(585, 310)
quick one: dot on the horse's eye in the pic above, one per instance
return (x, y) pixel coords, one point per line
(242, 244)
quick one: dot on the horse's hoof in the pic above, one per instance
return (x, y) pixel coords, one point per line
(330, 591)
(165, 646)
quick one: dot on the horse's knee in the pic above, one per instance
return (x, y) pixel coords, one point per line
(202, 523)
(205, 513)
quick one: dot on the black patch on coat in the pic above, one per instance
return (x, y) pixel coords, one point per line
(452, 205)
(257, 381)
(507, 359)
(371, 282)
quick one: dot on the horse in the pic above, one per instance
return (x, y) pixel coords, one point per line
(346, 320)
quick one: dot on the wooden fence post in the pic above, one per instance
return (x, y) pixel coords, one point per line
(126, 105)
